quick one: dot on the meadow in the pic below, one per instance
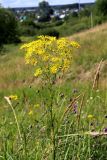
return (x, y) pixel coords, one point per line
(75, 126)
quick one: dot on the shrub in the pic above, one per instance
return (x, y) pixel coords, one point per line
(101, 6)
(28, 31)
(86, 12)
(49, 32)
(9, 32)
(97, 20)
(59, 23)
(29, 23)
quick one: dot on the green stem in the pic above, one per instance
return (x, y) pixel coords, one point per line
(53, 134)
(52, 123)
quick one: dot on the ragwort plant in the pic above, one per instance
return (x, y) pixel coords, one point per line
(52, 121)
(51, 59)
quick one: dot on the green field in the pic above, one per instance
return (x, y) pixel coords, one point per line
(28, 132)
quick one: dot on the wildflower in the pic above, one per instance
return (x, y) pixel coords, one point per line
(90, 116)
(53, 69)
(38, 72)
(13, 97)
(54, 54)
(30, 112)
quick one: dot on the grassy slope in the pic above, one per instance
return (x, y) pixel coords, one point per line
(14, 73)
(93, 48)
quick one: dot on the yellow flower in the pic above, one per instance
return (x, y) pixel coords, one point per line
(30, 112)
(38, 72)
(54, 69)
(13, 97)
(90, 116)
(49, 53)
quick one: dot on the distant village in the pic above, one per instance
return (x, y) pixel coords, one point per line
(60, 11)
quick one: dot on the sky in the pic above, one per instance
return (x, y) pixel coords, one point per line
(31, 3)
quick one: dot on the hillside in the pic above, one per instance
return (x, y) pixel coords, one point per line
(93, 49)
(99, 28)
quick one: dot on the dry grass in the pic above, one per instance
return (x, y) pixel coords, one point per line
(93, 49)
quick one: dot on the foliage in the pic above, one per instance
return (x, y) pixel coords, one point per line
(49, 32)
(28, 31)
(102, 7)
(86, 12)
(8, 27)
(29, 23)
(74, 26)
(30, 28)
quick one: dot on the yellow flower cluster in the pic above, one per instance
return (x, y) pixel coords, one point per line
(38, 72)
(13, 97)
(49, 55)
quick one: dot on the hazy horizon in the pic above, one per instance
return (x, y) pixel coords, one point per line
(31, 3)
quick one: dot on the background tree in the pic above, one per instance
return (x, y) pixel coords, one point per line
(102, 7)
(45, 11)
(8, 27)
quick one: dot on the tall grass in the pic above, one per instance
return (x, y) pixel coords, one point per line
(73, 139)
(76, 127)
